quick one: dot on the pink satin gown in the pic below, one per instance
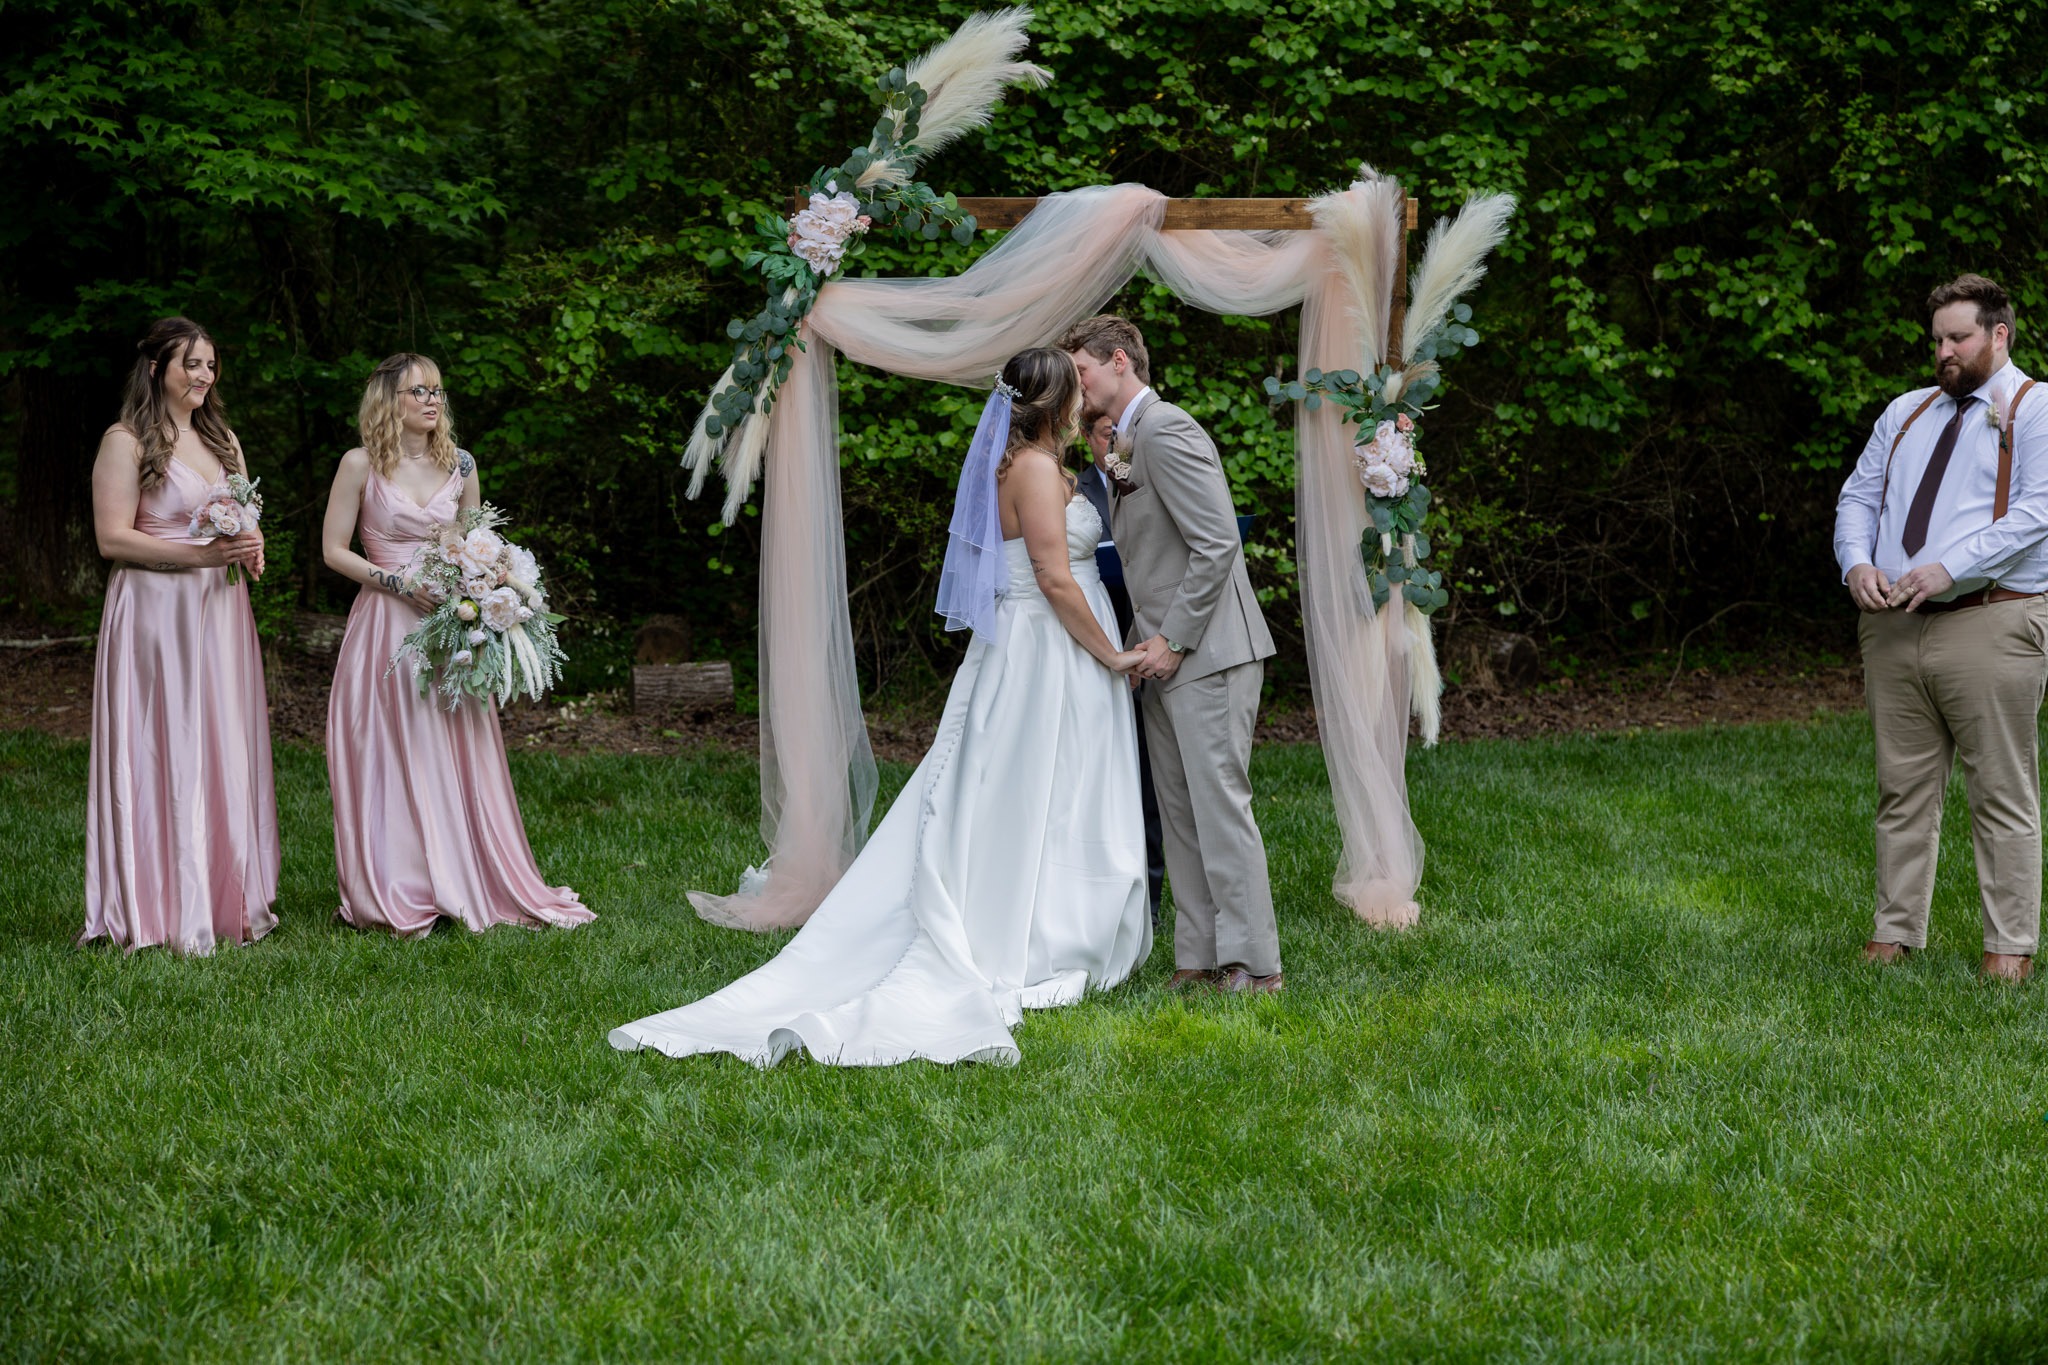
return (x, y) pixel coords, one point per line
(426, 825)
(180, 815)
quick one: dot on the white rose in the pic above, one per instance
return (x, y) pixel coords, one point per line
(524, 566)
(839, 211)
(1382, 482)
(501, 609)
(1396, 448)
(479, 588)
(225, 518)
(479, 553)
(821, 257)
(466, 611)
(526, 613)
(477, 637)
(460, 656)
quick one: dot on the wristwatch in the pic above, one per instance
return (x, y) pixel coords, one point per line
(1173, 648)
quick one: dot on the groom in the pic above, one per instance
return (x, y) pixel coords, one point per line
(1203, 638)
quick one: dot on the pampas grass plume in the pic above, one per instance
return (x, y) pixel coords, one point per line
(1364, 224)
(1453, 262)
(703, 447)
(965, 76)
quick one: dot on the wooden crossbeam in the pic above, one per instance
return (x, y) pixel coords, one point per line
(1182, 215)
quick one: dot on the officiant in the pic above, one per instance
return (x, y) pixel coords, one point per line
(1099, 428)
(1942, 538)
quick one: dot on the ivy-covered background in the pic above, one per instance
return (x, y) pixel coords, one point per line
(1731, 213)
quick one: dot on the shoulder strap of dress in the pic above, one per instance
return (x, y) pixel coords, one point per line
(1885, 488)
(2005, 452)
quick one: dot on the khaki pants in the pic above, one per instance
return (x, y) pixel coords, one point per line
(1961, 684)
(1201, 743)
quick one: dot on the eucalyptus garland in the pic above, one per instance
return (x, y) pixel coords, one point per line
(1385, 405)
(873, 187)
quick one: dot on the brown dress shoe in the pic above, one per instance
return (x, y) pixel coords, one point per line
(1238, 980)
(2008, 966)
(1191, 976)
(1887, 953)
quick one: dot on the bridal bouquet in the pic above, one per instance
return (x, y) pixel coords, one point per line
(229, 509)
(490, 633)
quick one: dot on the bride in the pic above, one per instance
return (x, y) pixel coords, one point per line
(1010, 873)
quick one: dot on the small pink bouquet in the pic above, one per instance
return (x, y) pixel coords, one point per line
(228, 509)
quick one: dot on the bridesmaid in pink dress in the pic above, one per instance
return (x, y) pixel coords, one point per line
(426, 825)
(180, 816)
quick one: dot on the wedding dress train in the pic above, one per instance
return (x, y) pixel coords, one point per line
(1009, 874)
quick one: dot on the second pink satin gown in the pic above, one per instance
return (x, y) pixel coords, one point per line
(180, 816)
(426, 825)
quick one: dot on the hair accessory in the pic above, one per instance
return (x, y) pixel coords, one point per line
(1008, 390)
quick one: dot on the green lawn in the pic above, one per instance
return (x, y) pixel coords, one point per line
(1627, 1094)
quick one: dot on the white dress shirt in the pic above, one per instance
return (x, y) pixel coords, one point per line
(2011, 552)
(1123, 423)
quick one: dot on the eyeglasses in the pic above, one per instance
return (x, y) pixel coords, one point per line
(422, 394)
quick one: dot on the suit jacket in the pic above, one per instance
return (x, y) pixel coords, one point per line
(1177, 536)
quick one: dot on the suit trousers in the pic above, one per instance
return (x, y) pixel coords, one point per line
(1960, 684)
(1201, 743)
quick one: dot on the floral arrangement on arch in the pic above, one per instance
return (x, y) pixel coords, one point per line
(1386, 404)
(948, 91)
(490, 633)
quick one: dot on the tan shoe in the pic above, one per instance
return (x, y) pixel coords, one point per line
(1188, 977)
(1887, 953)
(1238, 980)
(2008, 966)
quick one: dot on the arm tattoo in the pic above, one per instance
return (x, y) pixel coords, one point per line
(390, 582)
(465, 463)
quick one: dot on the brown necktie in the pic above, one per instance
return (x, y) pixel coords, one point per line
(1922, 509)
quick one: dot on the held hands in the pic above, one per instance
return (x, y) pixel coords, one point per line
(1157, 663)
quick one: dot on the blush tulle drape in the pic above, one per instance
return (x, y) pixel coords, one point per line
(1060, 265)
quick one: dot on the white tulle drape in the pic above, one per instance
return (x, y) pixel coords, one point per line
(1060, 265)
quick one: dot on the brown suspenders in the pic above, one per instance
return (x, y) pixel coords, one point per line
(2004, 495)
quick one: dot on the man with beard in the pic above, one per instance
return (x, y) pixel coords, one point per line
(1942, 537)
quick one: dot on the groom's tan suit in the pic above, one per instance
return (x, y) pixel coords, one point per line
(1184, 567)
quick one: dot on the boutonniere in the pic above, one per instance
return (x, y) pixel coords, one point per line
(1119, 467)
(1994, 412)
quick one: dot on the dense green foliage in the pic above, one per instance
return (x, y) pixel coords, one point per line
(1730, 215)
(1623, 1097)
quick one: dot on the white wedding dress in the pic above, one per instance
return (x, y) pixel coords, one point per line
(1009, 875)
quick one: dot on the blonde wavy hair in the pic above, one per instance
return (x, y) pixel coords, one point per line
(381, 419)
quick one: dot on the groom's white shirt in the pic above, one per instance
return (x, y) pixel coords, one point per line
(1123, 423)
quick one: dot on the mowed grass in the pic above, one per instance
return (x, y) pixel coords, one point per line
(1626, 1095)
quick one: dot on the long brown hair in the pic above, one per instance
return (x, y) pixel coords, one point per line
(382, 420)
(147, 415)
(1047, 404)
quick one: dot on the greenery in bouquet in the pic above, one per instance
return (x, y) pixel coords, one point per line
(490, 633)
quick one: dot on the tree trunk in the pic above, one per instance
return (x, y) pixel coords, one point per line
(51, 538)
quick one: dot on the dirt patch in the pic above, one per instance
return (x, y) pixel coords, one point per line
(50, 689)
